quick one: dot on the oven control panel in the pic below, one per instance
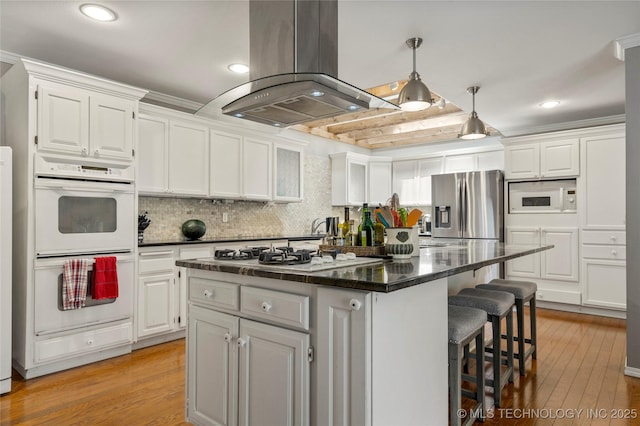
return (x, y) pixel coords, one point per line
(57, 168)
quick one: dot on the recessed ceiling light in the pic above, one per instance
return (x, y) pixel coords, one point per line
(550, 104)
(239, 68)
(317, 93)
(97, 12)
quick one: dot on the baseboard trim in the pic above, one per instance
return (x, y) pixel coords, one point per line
(603, 312)
(156, 340)
(631, 371)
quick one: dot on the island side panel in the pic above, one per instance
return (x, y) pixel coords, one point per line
(409, 356)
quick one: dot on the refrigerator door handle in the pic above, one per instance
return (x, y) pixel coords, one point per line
(461, 203)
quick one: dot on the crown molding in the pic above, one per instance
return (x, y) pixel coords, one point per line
(172, 101)
(570, 125)
(9, 57)
(625, 42)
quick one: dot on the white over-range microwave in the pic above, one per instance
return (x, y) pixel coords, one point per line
(548, 196)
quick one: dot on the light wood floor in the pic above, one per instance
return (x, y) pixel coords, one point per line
(580, 366)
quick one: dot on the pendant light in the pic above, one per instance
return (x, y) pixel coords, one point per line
(474, 127)
(415, 95)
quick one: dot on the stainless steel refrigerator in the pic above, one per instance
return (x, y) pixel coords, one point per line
(468, 205)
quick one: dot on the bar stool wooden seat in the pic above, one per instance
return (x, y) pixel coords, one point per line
(498, 306)
(465, 325)
(524, 292)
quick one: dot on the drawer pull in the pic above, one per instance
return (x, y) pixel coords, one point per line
(613, 238)
(266, 306)
(90, 342)
(355, 304)
(208, 293)
(228, 338)
(614, 252)
(241, 342)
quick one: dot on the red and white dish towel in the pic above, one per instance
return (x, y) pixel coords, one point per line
(74, 283)
(105, 278)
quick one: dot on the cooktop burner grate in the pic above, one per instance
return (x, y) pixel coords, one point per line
(285, 256)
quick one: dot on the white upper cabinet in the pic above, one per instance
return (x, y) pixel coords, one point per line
(288, 172)
(188, 158)
(226, 160)
(542, 159)
(240, 167)
(256, 169)
(405, 183)
(379, 181)
(426, 167)
(153, 154)
(560, 158)
(602, 184)
(173, 156)
(349, 179)
(79, 122)
(460, 163)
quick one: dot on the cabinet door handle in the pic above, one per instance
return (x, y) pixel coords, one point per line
(228, 337)
(208, 293)
(614, 252)
(90, 342)
(97, 152)
(266, 306)
(85, 151)
(355, 304)
(613, 238)
(241, 342)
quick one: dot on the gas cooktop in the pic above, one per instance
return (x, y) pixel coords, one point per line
(287, 262)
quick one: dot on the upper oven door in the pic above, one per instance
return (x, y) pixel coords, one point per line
(75, 217)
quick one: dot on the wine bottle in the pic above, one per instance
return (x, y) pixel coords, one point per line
(365, 208)
(367, 230)
(378, 232)
(345, 225)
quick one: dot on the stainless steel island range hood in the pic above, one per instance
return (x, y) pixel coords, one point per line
(293, 49)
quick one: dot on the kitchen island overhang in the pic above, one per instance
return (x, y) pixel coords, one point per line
(353, 348)
(448, 258)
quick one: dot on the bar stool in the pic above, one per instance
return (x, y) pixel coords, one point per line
(497, 305)
(465, 325)
(523, 291)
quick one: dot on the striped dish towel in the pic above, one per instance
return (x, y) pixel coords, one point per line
(74, 283)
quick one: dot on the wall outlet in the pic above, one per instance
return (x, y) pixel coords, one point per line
(225, 217)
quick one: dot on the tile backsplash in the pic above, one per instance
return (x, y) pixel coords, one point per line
(245, 218)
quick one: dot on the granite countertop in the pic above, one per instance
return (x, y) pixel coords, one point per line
(153, 243)
(439, 260)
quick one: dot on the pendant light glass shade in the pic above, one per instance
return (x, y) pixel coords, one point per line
(415, 95)
(473, 128)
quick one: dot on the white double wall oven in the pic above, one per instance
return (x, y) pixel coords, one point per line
(81, 212)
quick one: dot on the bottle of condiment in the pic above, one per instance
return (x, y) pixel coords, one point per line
(365, 209)
(367, 233)
(352, 236)
(378, 233)
(344, 227)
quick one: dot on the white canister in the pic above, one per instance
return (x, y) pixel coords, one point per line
(399, 244)
(415, 234)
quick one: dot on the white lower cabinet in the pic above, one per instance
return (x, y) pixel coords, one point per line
(273, 374)
(162, 288)
(250, 359)
(243, 371)
(156, 288)
(556, 271)
(604, 268)
(344, 318)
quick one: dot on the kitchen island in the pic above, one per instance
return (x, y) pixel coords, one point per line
(363, 344)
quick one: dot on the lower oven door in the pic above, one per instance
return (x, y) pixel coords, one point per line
(49, 316)
(75, 217)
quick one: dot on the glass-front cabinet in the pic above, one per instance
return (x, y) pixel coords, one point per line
(288, 172)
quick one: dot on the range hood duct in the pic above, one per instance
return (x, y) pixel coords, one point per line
(293, 47)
